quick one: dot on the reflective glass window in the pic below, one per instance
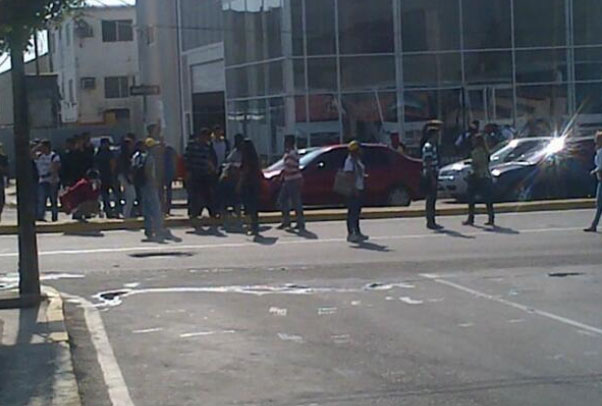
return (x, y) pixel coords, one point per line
(487, 24)
(588, 98)
(323, 107)
(367, 73)
(235, 37)
(430, 25)
(237, 82)
(541, 66)
(320, 26)
(366, 29)
(536, 24)
(367, 117)
(297, 26)
(274, 77)
(272, 10)
(488, 67)
(588, 63)
(538, 105)
(587, 26)
(322, 74)
(299, 74)
(432, 70)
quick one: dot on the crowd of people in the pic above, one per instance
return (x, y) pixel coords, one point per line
(136, 178)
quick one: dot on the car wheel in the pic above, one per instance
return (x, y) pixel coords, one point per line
(399, 196)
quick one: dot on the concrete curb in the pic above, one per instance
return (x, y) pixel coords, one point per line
(66, 390)
(72, 227)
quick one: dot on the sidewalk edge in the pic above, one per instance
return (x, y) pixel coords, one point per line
(65, 387)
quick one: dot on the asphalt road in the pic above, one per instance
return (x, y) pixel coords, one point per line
(468, 316)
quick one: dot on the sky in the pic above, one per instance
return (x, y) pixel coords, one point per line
(5, 64)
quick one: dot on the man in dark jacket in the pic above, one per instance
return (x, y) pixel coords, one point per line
(105, 163)
(201, 165)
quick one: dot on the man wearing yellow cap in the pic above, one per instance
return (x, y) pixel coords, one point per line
(356, 170)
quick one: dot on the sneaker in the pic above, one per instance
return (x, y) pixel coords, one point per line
(353, 238)
(363, 237)
(490, 223)
(590, 229)
(299, 227)
(283, 226)
(468, 222)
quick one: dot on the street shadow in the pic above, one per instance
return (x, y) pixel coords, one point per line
(370, 246)
(455, 234)
(29, 363)
(261, 240)
(308, 235)
(95, 234)
(498, 229)
(212, 231)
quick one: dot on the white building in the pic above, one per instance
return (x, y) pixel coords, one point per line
(94, 52)
(187, 63)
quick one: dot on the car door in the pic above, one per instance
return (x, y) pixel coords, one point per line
(379, 177)
(319, 176)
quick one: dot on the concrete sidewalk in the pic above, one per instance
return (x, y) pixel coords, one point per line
(35, 358)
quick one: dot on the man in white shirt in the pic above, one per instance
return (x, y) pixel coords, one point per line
(598, 173)
(48, 164)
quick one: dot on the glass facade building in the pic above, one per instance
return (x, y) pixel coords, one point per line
(334, 70)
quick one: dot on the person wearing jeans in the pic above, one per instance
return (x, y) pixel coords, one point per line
(292, 185)
(598, 173)
(48, 165)
(356, 170)
(480, 181)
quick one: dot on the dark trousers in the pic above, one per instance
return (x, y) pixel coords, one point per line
(484, 188)
(250, 195)
(201, 195)
(354, 212)
(168, 196)
(430, 189)
(108, 188)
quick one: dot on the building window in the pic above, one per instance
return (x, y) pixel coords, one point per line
(364, 30)
(117, 87)
(430, 25)
(71, 92)
(117, 31)
(67, 34)
(88, 83)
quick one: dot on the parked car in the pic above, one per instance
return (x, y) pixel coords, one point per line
(559, 169)
(452, 178)
(393, 178)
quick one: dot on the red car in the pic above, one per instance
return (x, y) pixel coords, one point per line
(393, 178)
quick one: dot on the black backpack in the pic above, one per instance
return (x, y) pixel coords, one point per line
(138, 168)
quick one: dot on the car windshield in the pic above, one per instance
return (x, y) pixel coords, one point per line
(306, 156)
(515, 149)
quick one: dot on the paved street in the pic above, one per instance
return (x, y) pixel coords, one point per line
(467, 316)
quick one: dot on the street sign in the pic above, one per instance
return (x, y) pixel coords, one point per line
(145, 90)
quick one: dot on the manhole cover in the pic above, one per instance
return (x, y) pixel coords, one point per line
(563, 274)
(161, 254)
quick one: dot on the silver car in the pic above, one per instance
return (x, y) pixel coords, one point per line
(452, 177)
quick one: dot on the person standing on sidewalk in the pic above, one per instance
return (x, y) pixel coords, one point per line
(430, 171)
(356, 170)
(124, 175)
(221, 145)
(104, 161)
(201, 165)
(249, 185)
(48, 164)
(3, 175)
(597, 172)
(145, 175)
(480, 181)
(292, 185)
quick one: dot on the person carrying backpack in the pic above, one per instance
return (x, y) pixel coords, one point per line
(144, 170)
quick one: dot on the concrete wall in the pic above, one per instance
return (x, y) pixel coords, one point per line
(91, 57)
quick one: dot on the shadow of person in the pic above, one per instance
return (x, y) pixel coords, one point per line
(95, 234)
(499, 230)
(370, 246)
(261, 240)
(455, 234)
(304, 234)
(212, 231)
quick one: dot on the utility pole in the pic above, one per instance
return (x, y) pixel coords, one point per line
(29, 274)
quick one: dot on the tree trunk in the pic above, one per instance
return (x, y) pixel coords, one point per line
(29, 274)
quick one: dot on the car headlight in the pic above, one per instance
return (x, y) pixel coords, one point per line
(496, 172)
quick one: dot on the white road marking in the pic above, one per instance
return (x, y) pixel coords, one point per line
(147, 330)
(583, 328)
(290, 337)
(118, 390)
(200, 247)
(206, 333)
(277, 311)
(410, 301)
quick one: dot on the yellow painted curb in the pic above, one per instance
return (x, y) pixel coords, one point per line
(317, 215)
